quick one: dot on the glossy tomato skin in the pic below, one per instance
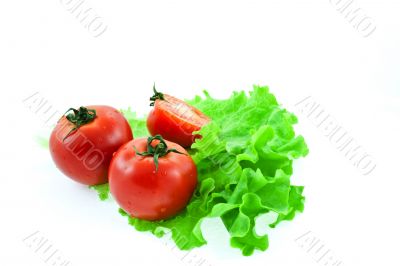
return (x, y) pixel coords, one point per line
(175, 120)
(148, 194)
(85, 155)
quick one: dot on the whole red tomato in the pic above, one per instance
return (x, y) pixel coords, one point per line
(174, 119)
(83, 142)
(152, 179)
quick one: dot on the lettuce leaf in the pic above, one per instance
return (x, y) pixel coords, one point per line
(244, 161)
(103, 191)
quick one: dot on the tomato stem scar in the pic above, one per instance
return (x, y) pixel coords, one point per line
(158, 151)
(157, 96)
(79, 118)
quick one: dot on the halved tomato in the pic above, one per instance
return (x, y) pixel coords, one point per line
(174, 119)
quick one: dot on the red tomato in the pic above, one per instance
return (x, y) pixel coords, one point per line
(174, 119)
(83, 142)
(149, 188)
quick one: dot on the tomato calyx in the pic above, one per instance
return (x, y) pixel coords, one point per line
(157, 96)
(157, 151)
(79, 117)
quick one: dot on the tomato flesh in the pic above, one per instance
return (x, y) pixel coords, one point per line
(175, 120)
(85, 154)
(147, 193)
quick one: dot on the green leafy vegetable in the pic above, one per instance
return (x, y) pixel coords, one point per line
(244, 161)
(103, 191)
(138, 124)
(43, 142)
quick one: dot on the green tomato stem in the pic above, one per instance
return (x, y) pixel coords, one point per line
(157, 151)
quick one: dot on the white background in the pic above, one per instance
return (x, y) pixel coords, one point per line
(298, 48)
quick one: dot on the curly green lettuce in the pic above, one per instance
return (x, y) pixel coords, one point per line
(244, 161)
